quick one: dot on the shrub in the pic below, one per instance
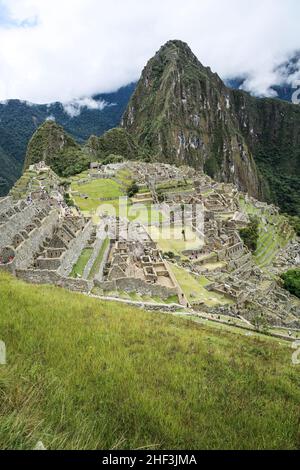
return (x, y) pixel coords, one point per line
(292, 281)
(68, 200)
(132, 190)
(295, 223)
(250, 234)
(169, 254)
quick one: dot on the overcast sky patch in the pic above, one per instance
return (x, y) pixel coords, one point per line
(59, 50)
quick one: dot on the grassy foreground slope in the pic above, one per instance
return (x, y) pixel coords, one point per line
(83, 374)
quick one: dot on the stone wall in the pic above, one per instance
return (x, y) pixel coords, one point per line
(6, 203)
(91, 261)
(7, 268)
(34, 276)
(83, 181)
(25, 253)
(104, 260)
(74, 250)
(99, 176)
(235, 250)
(52, 264)
(16, 224)
(237, 263)
(138, 285)
(93, 258)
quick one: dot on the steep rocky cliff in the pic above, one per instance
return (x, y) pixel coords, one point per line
(271, 129)
(181, 112)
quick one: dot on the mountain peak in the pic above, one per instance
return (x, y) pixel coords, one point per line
(181, 112)
(176, 50)
(49, 139)
(176, 44)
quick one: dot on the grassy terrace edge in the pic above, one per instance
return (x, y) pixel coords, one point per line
(98, 260)
(85, 374)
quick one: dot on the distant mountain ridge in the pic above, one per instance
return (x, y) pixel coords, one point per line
(53, 145)
(80, 118)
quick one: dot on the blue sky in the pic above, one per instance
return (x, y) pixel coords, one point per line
(65, 49)
(5, 19)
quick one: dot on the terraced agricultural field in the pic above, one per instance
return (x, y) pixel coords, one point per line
(124, 176)
(272, 237)
(274, 234)
(175, 186)
(27, 181)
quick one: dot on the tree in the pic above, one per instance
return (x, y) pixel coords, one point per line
(169, 254)
(68, 200)
(292, 281)
(250, 234)
(132, 190)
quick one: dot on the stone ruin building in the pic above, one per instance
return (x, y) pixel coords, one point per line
(42, 239)
(135, 264)
(39, 242)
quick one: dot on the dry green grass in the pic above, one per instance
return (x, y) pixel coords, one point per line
(194, 288)
(102, 188)
(95, 190)
(171, 238)
(79, 267)
(82, 374)
(96, 266)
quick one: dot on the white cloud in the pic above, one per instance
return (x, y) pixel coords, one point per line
(73, 108)
(290, 72)
(77, 48)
